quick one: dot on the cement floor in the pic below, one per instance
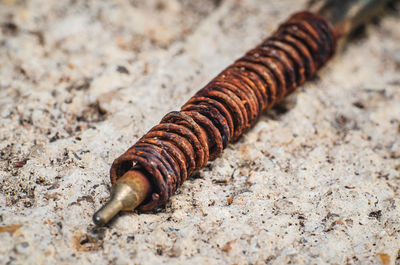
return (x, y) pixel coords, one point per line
(315, 182)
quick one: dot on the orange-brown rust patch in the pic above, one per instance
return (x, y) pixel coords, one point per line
(385, 258)
(339, 222)
(228, 246)
(84, 242)
(11, 229)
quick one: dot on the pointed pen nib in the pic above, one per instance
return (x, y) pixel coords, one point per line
(127, 193)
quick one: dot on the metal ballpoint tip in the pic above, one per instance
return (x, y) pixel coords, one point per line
(126, 194)
(97, 220)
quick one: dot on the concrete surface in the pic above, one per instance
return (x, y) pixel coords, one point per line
(315, 182)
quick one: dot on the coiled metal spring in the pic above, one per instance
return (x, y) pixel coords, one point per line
(229, 105)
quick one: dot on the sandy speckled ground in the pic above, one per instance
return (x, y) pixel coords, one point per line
(316, 181)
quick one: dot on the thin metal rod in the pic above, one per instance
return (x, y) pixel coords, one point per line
(348, 15)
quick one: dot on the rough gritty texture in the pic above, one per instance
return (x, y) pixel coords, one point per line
(315, 181)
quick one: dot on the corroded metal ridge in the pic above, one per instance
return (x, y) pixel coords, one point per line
(228, 106)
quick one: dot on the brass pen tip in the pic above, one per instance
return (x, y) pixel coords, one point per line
(108, 211)
(127, 193)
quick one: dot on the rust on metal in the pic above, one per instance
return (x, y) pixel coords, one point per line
(228, 106)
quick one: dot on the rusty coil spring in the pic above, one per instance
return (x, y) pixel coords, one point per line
(229, 105)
